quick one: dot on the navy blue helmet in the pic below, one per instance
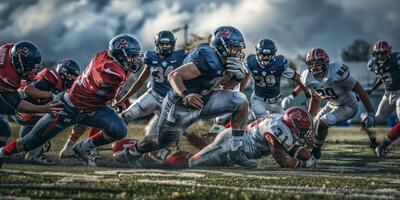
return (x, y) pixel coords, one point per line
(127, 51)
(165, 37)
(25, 57)
(265, 51)
(68, 70)
(228, 41)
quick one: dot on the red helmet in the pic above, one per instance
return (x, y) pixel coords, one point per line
(317, 61)
(381, 51)
(299, 122)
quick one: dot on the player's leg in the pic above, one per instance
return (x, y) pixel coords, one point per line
(77, 131)
(113, 128)
(258, 106)
(235, 102)
(215, 154)
(383, 111)
(5, 133)
(391, 136)
(145, 105)
(274, 108)
(327, 117)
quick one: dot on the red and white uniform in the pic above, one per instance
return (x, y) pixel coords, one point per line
(98, 84)
(9, 79)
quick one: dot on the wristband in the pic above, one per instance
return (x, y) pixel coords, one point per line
(184, 93)
(294, 93)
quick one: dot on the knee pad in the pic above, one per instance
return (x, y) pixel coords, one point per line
(132, 113)
(116, 130)
(328, 119)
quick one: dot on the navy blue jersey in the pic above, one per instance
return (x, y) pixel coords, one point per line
(267, 80)
(388, 72)
(210, 67)
(161, 67)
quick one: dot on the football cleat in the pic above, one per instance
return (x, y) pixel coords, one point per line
(380, 152)
(216, 129)
(125, 157)
(36, 156)
(122, 144)
(85, 156)
(66, 151)
(239, 158)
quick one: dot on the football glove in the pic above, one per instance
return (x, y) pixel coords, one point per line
(368, 120)
(287, 100)
(236, 68)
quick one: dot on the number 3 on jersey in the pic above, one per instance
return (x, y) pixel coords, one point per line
(160, 75)
(264, 81)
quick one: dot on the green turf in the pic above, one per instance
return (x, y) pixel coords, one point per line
(347, 170)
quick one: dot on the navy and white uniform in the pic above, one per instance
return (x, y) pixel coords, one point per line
(150, 102)
(254, 142)
(266, 97)
(336, 87)
(389, 73)
(176, 116)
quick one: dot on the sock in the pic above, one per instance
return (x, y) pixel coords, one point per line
(391, 136)
(87, 144)
(386, 143)
(10, 148)
(237, 139)
(93, 131)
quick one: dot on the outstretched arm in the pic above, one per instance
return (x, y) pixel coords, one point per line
(137, 85)
(359, 90)
(377, 82)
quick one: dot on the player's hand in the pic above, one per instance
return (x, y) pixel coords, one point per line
(368, 120)
(53, 107)
(193, 100)
(235, 67)
(287, 100)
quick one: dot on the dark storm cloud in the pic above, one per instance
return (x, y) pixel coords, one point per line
(78, 29)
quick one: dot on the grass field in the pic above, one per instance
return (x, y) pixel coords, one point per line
(348, 170)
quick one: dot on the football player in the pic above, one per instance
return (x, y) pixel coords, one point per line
(267, 68)
(333, 82)
(48, 83)
(86, 102)
(386, 66)
(279, 135)
(19, 61)
(194, 95)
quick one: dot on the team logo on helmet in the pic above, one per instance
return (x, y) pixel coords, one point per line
(23, 52)
(122, 43)
(225, 33)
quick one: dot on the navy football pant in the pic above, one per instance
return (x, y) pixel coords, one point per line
(104, 118)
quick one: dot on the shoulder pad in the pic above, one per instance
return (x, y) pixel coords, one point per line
(180, 52)
(205, 58)
(338, 71)
(251, 61)
(112, 75)
(281, 62)
(149, 56)
(274, 126)
(50, 75)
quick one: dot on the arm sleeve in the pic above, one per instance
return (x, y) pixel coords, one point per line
(42, 84)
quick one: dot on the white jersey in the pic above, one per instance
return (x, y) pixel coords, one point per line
(336, 86)
(255, 144)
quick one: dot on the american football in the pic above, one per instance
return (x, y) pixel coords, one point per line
(175, 99)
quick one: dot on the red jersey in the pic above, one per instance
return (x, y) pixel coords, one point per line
(9, 79)
(98, 84)
(53, 78)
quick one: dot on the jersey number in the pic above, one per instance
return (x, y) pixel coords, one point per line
(327, 93)
(160, 75)
(264, 81)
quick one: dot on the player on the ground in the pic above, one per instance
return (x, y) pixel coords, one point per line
(333, 82)
(267, 68)
(19, 61)
(279, 135)
(386, 66)
(47, 84)
(86, 102)
(195, 95)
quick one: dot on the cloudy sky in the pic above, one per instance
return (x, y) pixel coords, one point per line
(79, 28)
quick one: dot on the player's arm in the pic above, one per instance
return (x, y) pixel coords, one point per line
(39, 90)
(136, 86)
(185, 72)
(52, 107)
(377, 82)
(243, 83)
(283, 159)
(362, 94)
(315, 102)
(228, 82)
